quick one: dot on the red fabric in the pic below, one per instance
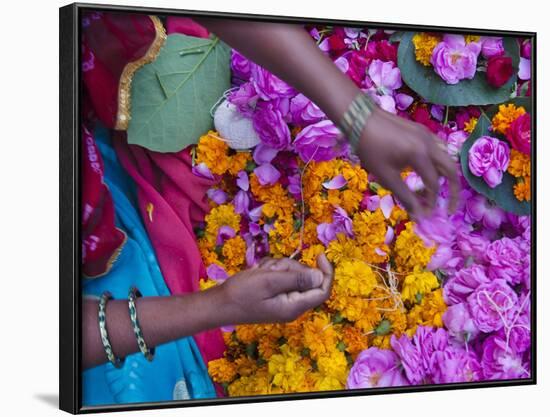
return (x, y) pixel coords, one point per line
(101, 240)
(186, 26)
(109, 42)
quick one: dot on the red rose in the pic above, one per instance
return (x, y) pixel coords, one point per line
(519, 133)
(499, 70)
(336, 43)
(422, 115)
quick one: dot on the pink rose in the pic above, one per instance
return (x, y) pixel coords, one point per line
(489, 158)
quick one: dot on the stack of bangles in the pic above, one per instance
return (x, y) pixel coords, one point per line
(133, 294)
(354, 119)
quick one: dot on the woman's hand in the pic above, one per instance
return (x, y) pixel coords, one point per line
(390, 143)
(277, 290)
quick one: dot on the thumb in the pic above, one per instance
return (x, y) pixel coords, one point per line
(292, 280)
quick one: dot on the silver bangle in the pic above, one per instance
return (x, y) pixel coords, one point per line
(354, 119)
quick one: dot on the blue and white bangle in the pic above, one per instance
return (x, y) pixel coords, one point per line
(133, 294)
(117, 362)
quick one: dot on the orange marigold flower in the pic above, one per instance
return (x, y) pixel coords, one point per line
(520, 164)
(222, 370)
(212, 150)
(354, 339)
(522, 190)
(234, 251)
(424, 44)
(507, 113)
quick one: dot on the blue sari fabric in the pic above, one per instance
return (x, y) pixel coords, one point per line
(177, 370)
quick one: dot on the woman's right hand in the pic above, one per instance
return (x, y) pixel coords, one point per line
(277, 290)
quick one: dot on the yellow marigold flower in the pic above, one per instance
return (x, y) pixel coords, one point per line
(257, 384)
(429, 312)
(418, 283)
(245, 365)
(223, 215)
(472, 38)
(350, 200)
(333, 371)
(470, 125)
(424, 44)
(522, 190)
(398, 215)
(222, 370)
(287, 369)
(370, 232)
(234, 251)
(520, 164)
(507, 113)
(410, 253)
(205, 283)
(354, 278)
(343, 248)
(355, 176)
(213, 152)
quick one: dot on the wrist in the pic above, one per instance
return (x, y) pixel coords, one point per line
(353, 122)
(223, 310)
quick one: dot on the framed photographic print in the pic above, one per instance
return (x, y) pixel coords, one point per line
(259, 208)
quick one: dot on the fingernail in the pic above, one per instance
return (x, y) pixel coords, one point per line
(317, 278)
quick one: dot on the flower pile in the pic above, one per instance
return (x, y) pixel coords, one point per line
(443, 300)
(459, 57)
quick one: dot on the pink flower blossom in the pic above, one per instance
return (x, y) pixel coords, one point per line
(320, 142)
(489, 158)
(493, 305)
(499, 361)
(454, 60)
(375, 367)
(304, 112)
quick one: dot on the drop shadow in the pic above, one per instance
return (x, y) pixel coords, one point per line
(50, 399)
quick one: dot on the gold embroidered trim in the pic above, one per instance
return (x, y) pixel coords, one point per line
(125, 83)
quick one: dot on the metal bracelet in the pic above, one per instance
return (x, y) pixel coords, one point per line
(117, 362)
(133, 294)
(354, 119)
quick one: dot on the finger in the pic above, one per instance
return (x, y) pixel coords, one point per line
(392, 180)
(447, 168)
(278, 282)
(324, 265)
(267, 262)
(287, 264)
(424, 166)
(303, 301)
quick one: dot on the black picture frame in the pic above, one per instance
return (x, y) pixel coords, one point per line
(70, 299)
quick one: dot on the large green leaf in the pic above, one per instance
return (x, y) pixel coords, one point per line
(503, 194)
(173, 95)
(430, 86)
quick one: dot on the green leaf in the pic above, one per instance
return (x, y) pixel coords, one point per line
(503, 194)
(430, 86)
(173, 95)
